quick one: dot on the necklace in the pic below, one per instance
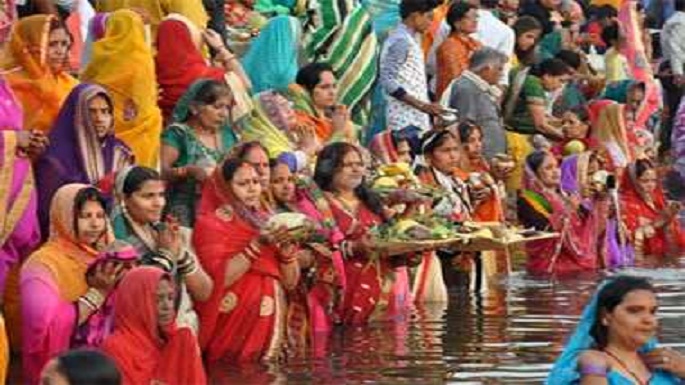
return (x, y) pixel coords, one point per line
(626, 368)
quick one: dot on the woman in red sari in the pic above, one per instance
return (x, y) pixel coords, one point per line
(146, 344)
(544, 206)
(652, 221)
(243, 320)
(377, 283)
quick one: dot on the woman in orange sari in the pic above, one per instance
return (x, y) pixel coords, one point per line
(652, 222)
(244, 318)
(315, 96)
(35, 60)
(122, 63)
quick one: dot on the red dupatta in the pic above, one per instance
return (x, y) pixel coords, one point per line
(179, 62)
(141, 353)
(640, 208)
(241, 322)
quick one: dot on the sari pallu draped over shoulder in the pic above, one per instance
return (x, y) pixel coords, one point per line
(346, 40)
(52, 279)
(76, 154)
(19, 233)
(267, 124)
(179, 61)
(374, 289)
(271, 60)
(143, 355)
(641, 209)
(565, 370)
(242, 322)
(549, 209)
(39, 90)
(122, 63)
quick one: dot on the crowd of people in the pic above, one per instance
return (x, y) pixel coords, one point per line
(147, 145)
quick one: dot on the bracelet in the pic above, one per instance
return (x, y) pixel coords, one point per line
(593, 370)
(165, 260)
(187, 265)
(92, 299)
(180, 172)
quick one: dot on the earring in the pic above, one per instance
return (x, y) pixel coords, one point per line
(605, 322)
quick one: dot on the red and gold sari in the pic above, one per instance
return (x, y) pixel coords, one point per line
(641, 210)
(375, 290)
(244, 321)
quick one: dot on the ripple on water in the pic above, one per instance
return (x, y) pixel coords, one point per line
(508, 335)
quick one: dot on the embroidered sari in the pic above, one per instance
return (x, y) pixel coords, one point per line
(37, 88)
(76, 154)
(375, 290)
(179, 61)
(122, 63)
(19, 233)
(183, 196)
(640, 210)
(52, 279)
(243, 322)
(613, 247)
(551, 210)
(314, 306)
(142, 353)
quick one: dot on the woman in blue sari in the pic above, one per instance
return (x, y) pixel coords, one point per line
(614, 342)
(271, 60)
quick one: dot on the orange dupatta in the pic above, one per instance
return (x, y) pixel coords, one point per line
(39, 90)
(122, 63)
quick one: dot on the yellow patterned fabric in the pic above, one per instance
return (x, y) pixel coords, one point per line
(122, 62)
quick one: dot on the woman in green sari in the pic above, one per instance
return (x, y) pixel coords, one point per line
(527, 111)
(194, 144)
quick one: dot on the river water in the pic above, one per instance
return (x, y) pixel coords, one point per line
(510, 334)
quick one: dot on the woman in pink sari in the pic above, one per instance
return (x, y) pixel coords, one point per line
(377, 284)
(544, 206)
(57, 294)
(20, 234)
(314, 305)
(244, 318)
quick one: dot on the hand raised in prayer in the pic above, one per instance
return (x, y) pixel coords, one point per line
(213, 39)
(105, 276)
(169, 236)
(666, 359)
(340, 116)
(33, 142)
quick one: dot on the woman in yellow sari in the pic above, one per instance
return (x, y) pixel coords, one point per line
(35, 58)
(157, 10)
(122, 63)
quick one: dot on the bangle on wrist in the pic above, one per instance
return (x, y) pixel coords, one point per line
(165, 259)
(93, 299)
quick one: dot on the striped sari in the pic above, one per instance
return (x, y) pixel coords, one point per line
(346, 40)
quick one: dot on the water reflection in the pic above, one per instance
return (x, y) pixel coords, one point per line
(510, 334)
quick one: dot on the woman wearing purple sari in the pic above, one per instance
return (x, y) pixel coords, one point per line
(19, 233)
(582, 175)
(83, 148)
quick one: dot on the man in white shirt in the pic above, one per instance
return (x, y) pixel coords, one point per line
(673, 49)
